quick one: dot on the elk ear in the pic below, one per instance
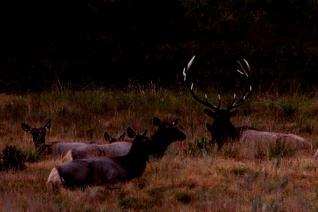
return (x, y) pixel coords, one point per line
(47, 125)
(131, 133)
(26, 127)
(156, 121)
(107, 137)
(208, 112)
(122, 136)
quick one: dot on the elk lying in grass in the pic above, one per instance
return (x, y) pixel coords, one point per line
(103, 170)
(57, 148)
(222, 129)
(115, 148)
(165, 134)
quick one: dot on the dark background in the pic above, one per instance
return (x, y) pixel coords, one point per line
(113, 42)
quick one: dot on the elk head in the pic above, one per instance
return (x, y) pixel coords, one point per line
(38, 134)
(221, 128)
(166, 133)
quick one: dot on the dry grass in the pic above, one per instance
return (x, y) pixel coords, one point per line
(200, 180)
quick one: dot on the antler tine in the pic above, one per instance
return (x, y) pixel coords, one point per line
(244, 71)
(247, 64)
(238, 102)
(185, 69)
(205, 101)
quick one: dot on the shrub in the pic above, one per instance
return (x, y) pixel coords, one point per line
(289, 109)
(157, 194)
(12, 158)
(183, 197)
(32, 156)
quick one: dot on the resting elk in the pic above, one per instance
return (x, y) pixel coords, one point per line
(57, 148)
(103, 170)
(116, 147)
(222, 129)
(165, 134)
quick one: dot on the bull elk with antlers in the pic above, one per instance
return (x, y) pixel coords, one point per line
(222, 129)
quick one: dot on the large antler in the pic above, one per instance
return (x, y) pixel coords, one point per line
(243, 69)
(204, 101)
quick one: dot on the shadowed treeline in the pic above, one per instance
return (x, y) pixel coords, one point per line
(111, 42)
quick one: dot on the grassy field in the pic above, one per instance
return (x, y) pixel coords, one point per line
(188, 177)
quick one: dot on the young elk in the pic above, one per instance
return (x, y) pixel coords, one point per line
(103, 170)
(165, 134)
(58, 148)
(222, 129)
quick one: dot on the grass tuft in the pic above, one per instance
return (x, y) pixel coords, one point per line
(32, 156)
(280, 149)
(134, 203)
(201, 147)
(183, 197)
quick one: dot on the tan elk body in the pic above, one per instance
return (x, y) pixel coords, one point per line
(256, 137)
(165, 134)
(119, 148)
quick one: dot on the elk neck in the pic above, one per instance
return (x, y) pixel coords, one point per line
(39, 142)
(223, 129)
(159, 143)
(136, 160)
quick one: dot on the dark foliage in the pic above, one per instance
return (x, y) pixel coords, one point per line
(183, 197)
(12, 158)
(45, 43)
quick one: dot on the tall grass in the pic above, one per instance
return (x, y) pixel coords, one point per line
(191, 176)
